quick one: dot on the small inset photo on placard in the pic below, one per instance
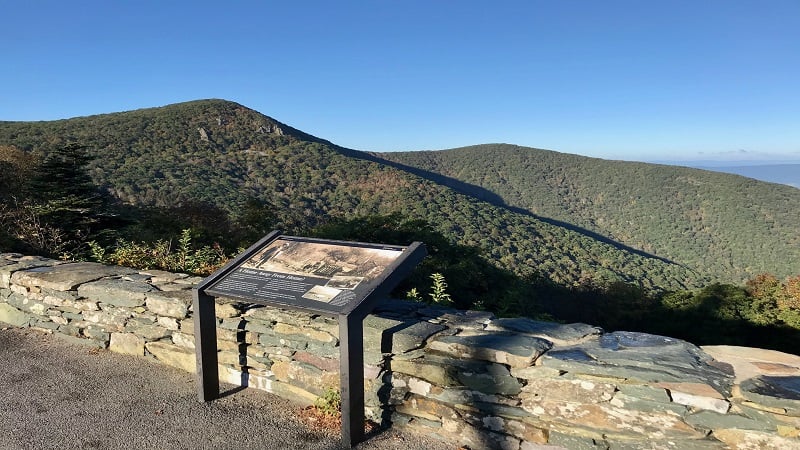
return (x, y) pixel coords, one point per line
(322, 293)
(343, 282)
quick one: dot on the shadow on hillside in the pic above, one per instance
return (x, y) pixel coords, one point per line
(488, 196)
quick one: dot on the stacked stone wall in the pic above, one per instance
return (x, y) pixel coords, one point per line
(464, 376)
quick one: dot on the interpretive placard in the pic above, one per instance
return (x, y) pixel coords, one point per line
(320, 275)
(336, 278)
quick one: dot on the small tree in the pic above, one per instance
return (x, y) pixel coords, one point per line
(62, 207)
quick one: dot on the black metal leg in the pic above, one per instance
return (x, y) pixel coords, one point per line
(351, 372)
(205, 342)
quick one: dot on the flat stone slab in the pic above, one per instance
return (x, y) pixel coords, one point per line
(13, 316)
(397, 308)
(474, 320)
(413, 335)
(750, 362)
(747, 439)
(115, 291)
(557, 333)
(696, 395)
(65, 277)
(709, 420)
(12, 262)
(275, 315)
(642, 358)
(774, 392)
(169, 304)
(450, 372)
(505, 348)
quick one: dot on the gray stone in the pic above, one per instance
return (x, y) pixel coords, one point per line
(576, 391)
(557, 333)
(113, 318)
(72, 315)
(322, 363)
(126, 343)
(505, 348)
(465, 320)
(10, 264)
(378, 332)
(226, 309)
(273, 315)
(613, 422)
(774, 392)
(490, 379)
(59, 298)
(306, 332)
(189, 281)
(185, 340)
(329, 351)
(236, 323)
(169, 323)
(622, 400)
(640, 358)
(748, 439)
(162, 276)
(459, 396)
(169, 304)
(149, 332)
(117, 292)
(147, 319)
(136, 277)
(572, 442)
(645, 392)
(305, 376)
(751, 362)
(413, 336)
(46, 324)
(397, 309)
(697, 395)
(437, 370)
(17, 300)
(65, 277)
(28, 302)
(709, 420)
(273, 340)
(91, 343)
(255, 326)
(169, 287)
(13, 316)
(96, 333)
(173, 355)
(69, 330)
(668, 444)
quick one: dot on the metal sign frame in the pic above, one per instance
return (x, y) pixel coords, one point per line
(358, 302)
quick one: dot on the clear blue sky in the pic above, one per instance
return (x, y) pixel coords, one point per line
(614, 79)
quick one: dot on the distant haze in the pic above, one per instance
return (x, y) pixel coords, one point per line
(781, 172)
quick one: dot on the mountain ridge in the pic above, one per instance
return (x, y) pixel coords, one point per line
(587, 188)
(160, 157)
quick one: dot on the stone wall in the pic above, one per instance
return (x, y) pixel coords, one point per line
(465, 376)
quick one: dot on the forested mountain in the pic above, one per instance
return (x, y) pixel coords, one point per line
(241, 162)
(516, 231)
(727, 226)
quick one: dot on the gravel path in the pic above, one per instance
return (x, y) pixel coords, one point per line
(56, 394)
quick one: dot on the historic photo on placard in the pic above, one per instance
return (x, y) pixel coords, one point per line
(345, 266)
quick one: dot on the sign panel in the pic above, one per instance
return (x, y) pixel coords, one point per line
(315, 274)
(343, 279)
